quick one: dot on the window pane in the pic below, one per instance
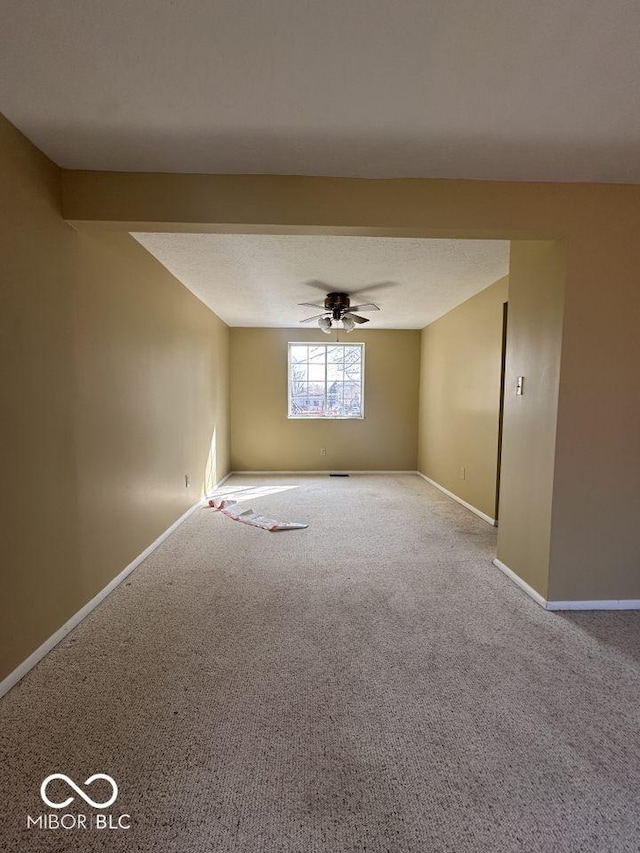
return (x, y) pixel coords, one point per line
(298, 353)
(317, 354)
(334, 371)
(299, 373)
(353, 374)
(334, 398)
(316, 373)
(352, 360)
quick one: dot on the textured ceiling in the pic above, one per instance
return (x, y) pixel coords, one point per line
(498, 89)
(258, 280)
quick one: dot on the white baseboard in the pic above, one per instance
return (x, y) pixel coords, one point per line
(468, 506)
(217, 485)
(611, 604)
(326, 471)
(606, 604)
(20, 671)
(533, 593)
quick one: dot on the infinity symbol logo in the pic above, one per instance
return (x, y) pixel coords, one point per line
(72, 784)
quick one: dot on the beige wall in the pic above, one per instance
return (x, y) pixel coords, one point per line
(460, 370)
(114, 380)
(263, 437)
(534, 338)
(595, 549)
(595, 541)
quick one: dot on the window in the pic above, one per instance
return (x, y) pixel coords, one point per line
(326, 380)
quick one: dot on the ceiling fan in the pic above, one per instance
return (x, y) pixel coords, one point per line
(337, 309)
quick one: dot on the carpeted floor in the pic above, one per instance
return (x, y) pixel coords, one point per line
(370, 684)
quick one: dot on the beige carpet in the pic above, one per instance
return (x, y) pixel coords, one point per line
(371, 684)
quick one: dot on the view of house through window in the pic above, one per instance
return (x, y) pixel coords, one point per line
(326, 380)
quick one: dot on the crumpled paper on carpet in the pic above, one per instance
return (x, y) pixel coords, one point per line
(248, 516)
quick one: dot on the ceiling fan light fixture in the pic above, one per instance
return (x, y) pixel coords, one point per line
(337, 307)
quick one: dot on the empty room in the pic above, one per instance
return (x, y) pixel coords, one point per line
(321, 427)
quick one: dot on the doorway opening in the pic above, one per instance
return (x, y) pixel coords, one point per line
(503, 365)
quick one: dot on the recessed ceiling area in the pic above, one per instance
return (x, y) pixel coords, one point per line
(258, 280)
(498, 90)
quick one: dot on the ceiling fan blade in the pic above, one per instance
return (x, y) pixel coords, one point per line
(309, 319)
(355, 317)
(311, 304)
(369, 306)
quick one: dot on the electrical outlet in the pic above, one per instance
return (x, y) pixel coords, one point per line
(463, 473)
(187, 481)
(323, 451)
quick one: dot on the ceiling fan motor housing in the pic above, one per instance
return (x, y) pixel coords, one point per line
(337, 303)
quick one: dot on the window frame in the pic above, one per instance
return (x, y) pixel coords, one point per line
(325, 345)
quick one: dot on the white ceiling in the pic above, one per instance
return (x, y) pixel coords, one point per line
(497, 89)
(258, 280)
